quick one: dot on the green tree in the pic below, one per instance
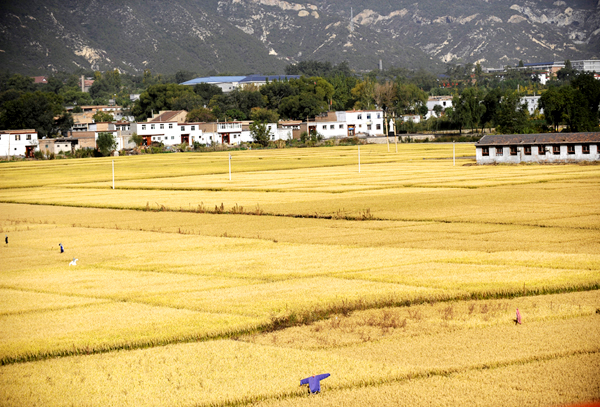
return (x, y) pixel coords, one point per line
(184, 76)
(64, 123)
(567, 73)
(589, 87)
(342, 96)
(364, 93)
(21, 83)
(408, 98)
(106, 143)
(491, 102)
(33, 110)
(235, 114)
(74, 96)
(201, 114)
(102, 117)
(260, 133)
(259, 114)
(156, 98)
(552, 103)
(468, 108)
(512, 115)
(274, 92)
(206, 91)
(187, 101)
(137, 139)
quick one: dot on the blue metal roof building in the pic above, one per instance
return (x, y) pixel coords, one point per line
(228, 83)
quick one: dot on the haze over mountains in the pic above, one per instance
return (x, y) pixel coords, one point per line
(263, 36)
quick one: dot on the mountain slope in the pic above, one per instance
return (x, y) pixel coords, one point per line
(262, 36)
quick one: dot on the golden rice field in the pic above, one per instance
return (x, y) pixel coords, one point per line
(401, 278)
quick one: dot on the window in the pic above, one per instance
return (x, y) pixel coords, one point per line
(17, 137)
(332, 127)
(379, 115)
(172, 137)
(182, 128)
(29, 137)
(585, 149)
(324, 127)
(527, 150)
(162, 126)
(541, 150)
(485, 151)
(444, 103)
(359, 117)
(360, 126)
(368, 116)
(556, 150)
(170, 125)
(571, 149)
(143, 127)
(193, 128)
(378, 126)
(152, 126)
(513, 150)
(368, 127)
(341, 126)
(499, 150)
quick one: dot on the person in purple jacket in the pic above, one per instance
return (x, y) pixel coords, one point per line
(314, 382)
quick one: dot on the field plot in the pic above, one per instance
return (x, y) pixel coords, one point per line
(403, 278)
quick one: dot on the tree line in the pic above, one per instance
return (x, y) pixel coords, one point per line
(479, 99)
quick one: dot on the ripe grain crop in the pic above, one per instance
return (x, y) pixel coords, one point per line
(236, 372)
(562, 381)
(196, 290)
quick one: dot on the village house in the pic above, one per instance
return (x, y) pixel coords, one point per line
(342, 124)
(538, 148)
(443, 101)
(40, 79)
(532, 104)
(18, 142)
(58, 145)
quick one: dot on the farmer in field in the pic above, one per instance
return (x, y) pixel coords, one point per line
(518, 319)
(62, 250)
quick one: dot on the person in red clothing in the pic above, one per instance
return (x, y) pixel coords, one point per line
(518, 319)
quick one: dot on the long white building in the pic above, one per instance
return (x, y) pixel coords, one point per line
(538, 148)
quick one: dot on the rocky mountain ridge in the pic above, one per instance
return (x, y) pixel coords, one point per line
(262, 36)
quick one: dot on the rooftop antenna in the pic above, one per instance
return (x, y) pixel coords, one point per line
(351, 20)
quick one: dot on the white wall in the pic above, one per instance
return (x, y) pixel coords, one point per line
(15, 144)
(549, 156)
(362, 120)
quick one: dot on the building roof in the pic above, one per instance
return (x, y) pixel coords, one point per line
(544, 138)
(214, 79)
(239, 79)
(40, 79)
(166, 116)
(264, 78)
(24, 131)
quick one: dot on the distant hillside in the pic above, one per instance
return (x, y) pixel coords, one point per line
(263, 36)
